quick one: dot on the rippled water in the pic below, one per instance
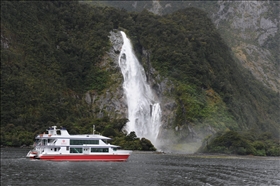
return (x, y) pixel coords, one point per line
(141, 169)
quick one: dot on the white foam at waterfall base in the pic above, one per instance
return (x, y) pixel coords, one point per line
(144, 111)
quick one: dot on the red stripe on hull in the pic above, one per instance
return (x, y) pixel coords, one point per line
(85, 157)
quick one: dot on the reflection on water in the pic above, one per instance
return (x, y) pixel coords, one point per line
(141, 169)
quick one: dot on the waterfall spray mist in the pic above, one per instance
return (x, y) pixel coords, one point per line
(144, 111)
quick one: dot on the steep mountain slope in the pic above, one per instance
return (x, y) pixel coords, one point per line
(252, 31)
(250, 28)
(186, 47)
(59, 67)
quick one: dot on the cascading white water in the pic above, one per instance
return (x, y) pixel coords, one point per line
(144, 112)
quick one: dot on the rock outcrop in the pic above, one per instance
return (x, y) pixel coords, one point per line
(111, 101)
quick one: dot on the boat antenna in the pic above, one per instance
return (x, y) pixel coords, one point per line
(93, 129)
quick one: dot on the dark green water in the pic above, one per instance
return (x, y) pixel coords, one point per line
(140, 169)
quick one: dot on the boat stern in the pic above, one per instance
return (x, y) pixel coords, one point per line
(32, 154)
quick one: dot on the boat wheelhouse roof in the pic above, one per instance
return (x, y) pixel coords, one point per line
(86, 145)
(77, 137)
(52, 134)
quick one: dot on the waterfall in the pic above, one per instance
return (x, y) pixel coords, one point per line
(144, 111)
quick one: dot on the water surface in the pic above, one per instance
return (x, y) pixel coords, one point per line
(141, 169)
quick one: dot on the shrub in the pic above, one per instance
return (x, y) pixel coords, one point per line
(241, 151)
(260, 152)
(274, 151)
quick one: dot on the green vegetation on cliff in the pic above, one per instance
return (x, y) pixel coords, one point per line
(50, 53)
(47, 62)
(243, 143)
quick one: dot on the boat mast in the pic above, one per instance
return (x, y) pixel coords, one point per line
(93, 129)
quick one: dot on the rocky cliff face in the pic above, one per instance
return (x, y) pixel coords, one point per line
(162, 88)
(111, 101)
(249, 27)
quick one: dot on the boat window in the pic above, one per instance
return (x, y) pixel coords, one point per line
(105, 141)
(37, 141)
(114, 149)
(67, 148)
(52, 140)
(76, 150)
(81, 142)
(44, 141)
(99, 149)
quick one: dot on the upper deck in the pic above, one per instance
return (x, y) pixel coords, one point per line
(54, 133)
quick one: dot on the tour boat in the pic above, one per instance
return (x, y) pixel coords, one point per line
(59, 145)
